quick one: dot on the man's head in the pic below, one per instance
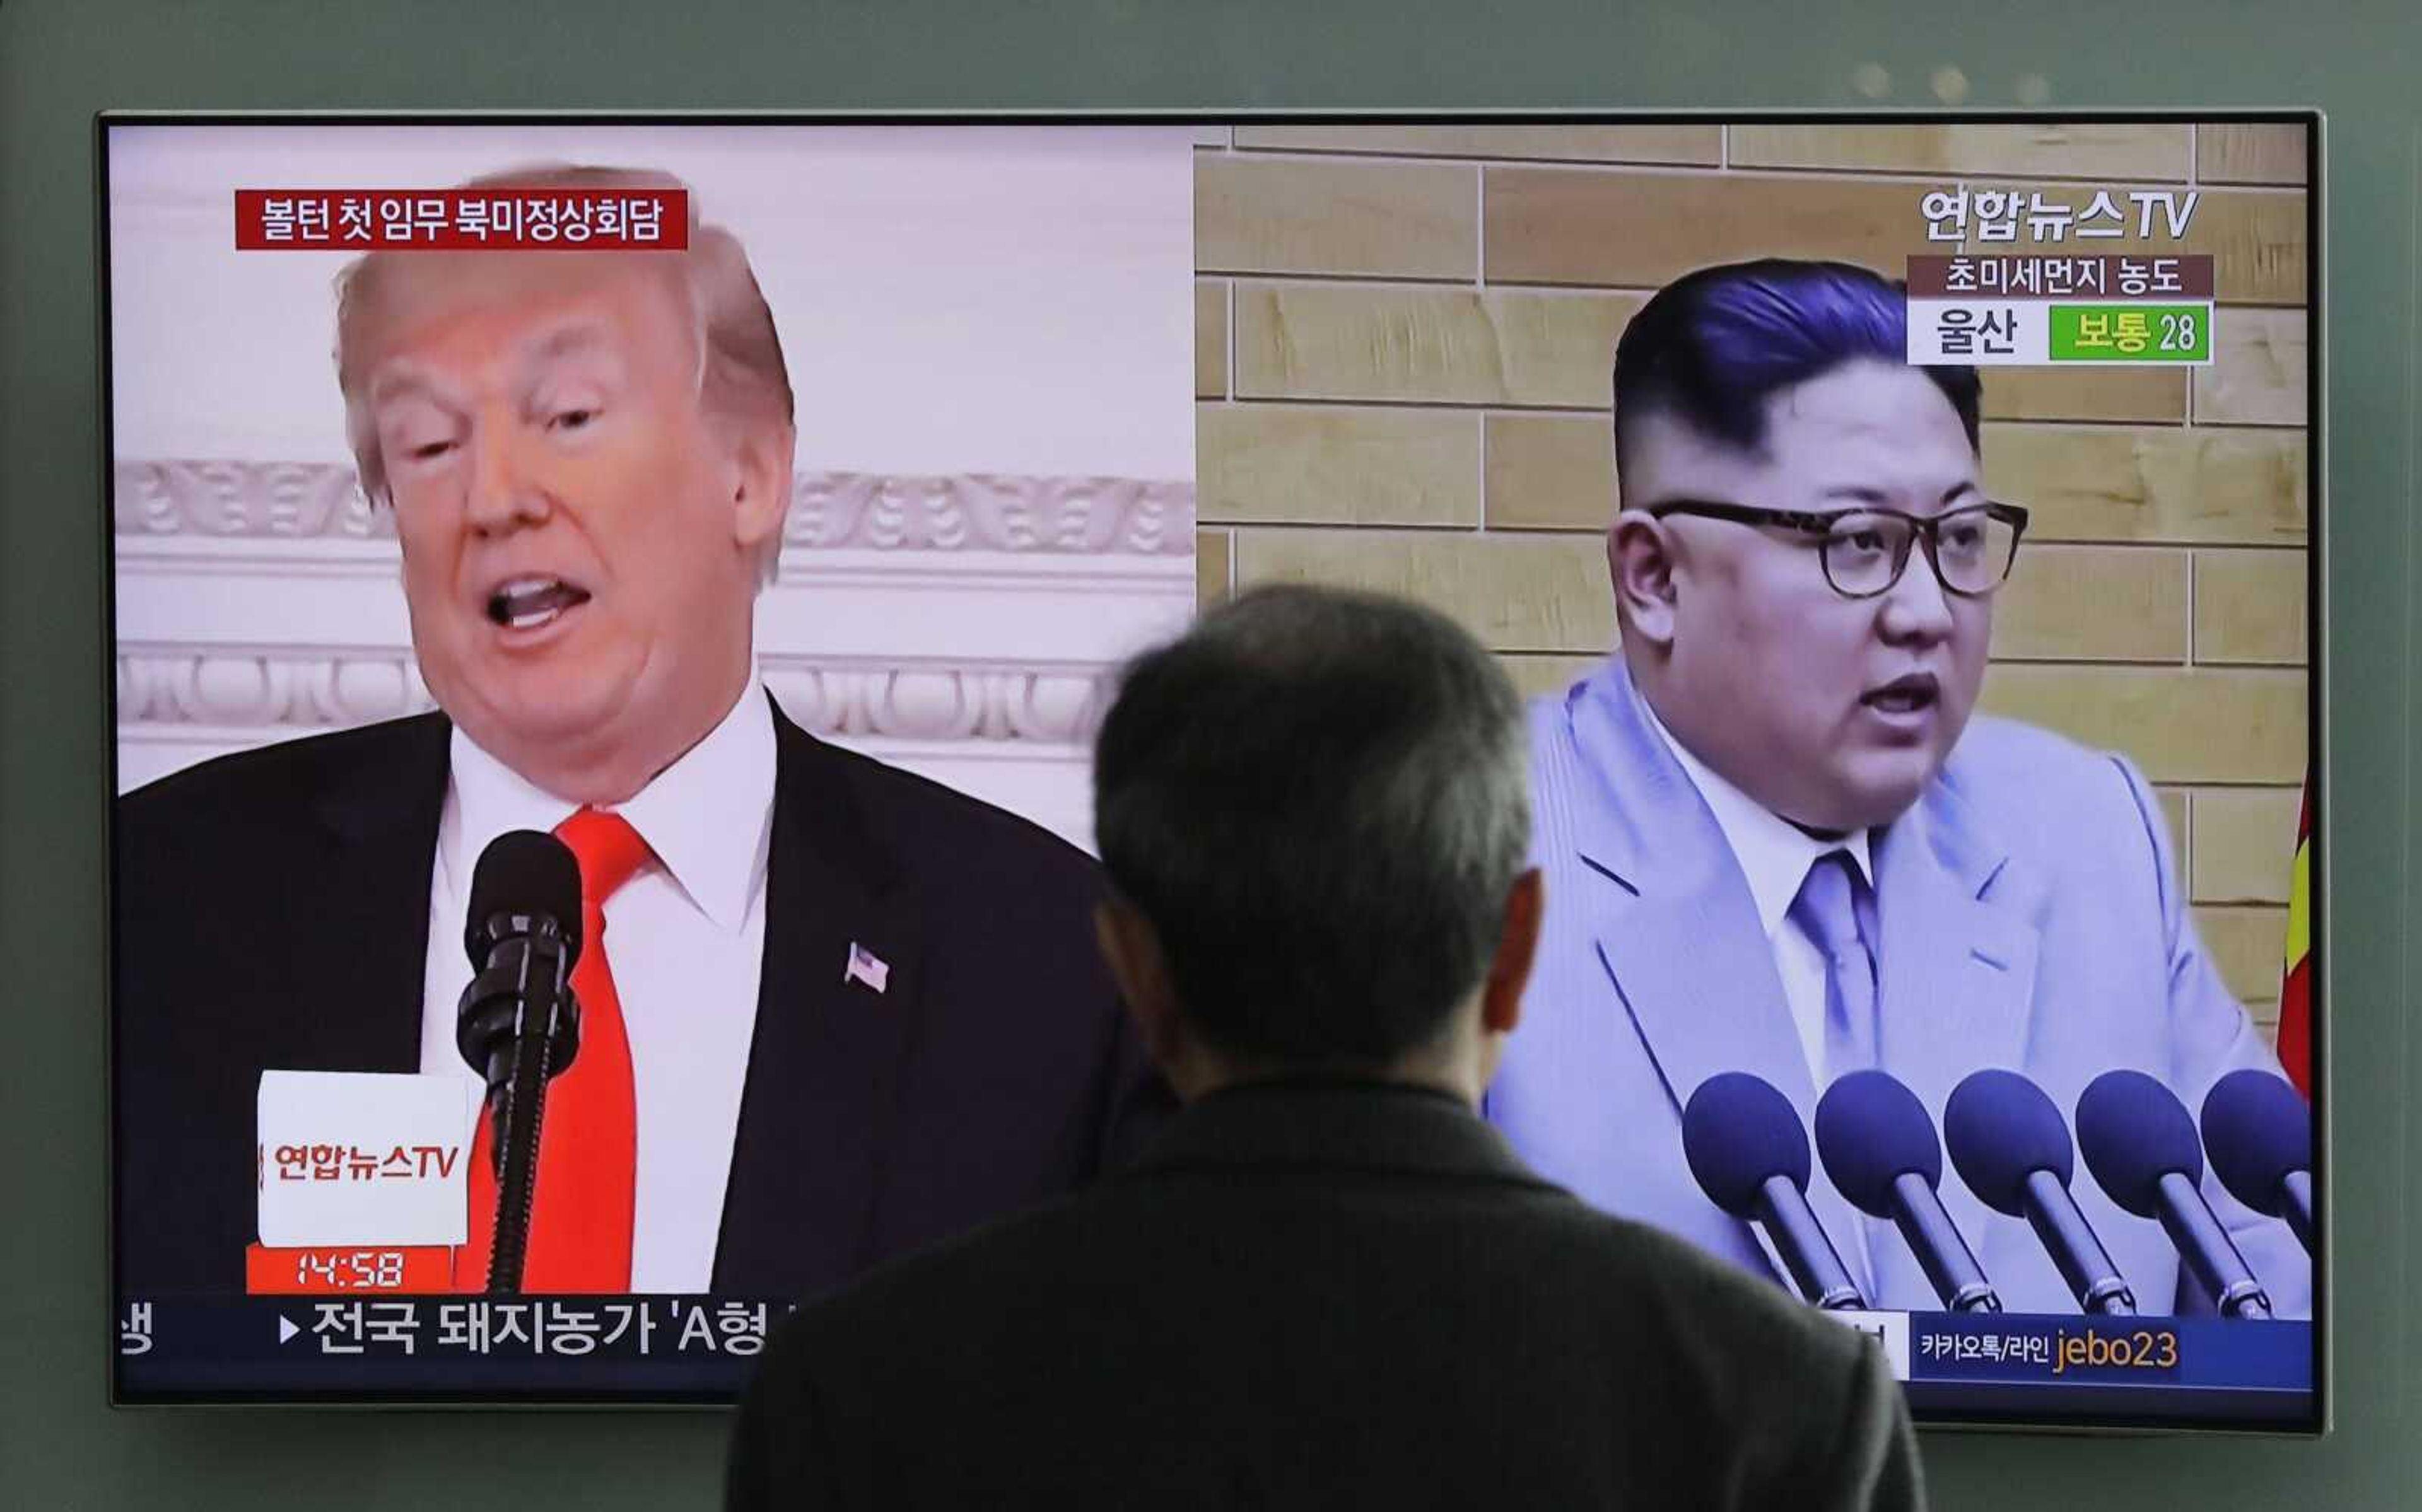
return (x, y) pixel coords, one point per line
(1313, 808)
(1782, 386)
(589, 456)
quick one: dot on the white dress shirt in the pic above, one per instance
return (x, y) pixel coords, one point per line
(1775, 856)
(686, 939)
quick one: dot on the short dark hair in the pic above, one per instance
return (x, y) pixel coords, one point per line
(1711, 347)
(1319, 799)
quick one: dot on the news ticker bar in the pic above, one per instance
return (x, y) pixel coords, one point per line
(707, 1346)
(657, 1343)
(635, 1327)
(2053, 1349)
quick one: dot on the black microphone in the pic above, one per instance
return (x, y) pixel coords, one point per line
(2141, 1145)
(1746, 1147)
(517, 1023)
(1879, 1148)
(2010, 1143)
(2259, 1132)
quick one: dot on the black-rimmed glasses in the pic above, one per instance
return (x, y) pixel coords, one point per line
(1864, 550)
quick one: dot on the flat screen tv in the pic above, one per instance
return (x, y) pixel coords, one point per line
(761, 507)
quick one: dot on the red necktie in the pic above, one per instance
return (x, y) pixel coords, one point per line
(589, 1143)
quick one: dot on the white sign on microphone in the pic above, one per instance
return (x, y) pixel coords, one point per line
(364, 1158)
(1890, 1330)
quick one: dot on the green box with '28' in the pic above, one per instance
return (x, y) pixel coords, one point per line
(2131, 333)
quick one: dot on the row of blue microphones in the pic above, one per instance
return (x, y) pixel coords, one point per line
(2010, 1146)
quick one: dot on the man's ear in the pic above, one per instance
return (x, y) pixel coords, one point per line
(1639, 561)
(758, 474)
(1131, 947)
(1518, 946)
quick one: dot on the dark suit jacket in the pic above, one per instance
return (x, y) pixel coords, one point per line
(272, 911)
(1320, 1295)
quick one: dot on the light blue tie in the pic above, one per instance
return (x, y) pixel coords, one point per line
(1827, 909)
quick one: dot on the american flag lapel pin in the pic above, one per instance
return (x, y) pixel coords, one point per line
(866, 968)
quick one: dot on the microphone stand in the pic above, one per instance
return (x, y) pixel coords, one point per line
(2208, 1250)
(1950, 1266)
(1815, 1265)
(2079, 1256)
(522, 1013)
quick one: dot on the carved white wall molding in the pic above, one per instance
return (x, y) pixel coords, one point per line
(283, 693)
(1052, 706)
(153, 561)
(286, 500)
(292, 694)
(983, 512)
(830, 511)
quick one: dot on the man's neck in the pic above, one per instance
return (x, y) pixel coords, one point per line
(615, 772)
(1204, 1073)
(1692, 753)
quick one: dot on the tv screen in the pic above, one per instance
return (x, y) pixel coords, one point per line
(670, 563)
(1920, 504)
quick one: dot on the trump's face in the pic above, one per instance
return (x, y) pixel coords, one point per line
(579, 536)
(1831, 710)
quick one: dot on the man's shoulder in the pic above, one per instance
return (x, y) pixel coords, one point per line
(954, 1288)
(1582, 757)
(1716, 1306)
(1550, 715)
(1992, 743)
(1725, 1345)
(934, 827)
(2009, 770)
(267, 783)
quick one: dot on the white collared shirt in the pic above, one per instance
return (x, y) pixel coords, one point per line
(1775, 856)
(687, 946)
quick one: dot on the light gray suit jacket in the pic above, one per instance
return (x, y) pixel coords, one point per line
(2030, 919)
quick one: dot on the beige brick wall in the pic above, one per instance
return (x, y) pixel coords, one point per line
(1403, 343)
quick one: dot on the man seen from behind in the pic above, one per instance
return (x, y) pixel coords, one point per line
(1328, 1282)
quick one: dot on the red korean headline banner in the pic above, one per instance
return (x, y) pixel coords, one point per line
(462, 220)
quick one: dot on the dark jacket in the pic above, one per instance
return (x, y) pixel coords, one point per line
(1320, 1295)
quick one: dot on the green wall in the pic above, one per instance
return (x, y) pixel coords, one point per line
(62, 60)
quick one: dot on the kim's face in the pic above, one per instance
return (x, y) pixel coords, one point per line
(1832, 711)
